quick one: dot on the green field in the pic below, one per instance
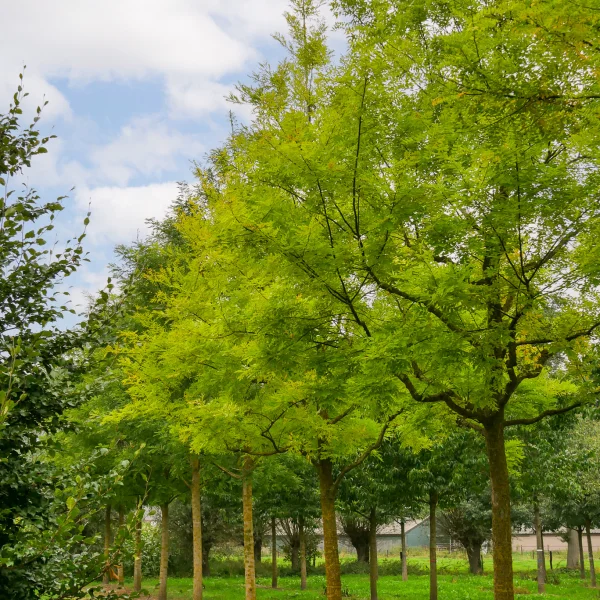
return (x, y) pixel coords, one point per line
(454, 584)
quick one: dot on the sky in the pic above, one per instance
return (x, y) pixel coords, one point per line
(136, 92)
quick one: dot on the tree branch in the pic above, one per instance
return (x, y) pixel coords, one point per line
(546, 413)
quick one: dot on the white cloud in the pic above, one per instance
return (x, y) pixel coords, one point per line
(146, 146)
(85, 39)
(119, 213)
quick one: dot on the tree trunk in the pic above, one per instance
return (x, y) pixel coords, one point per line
(404, 557)
(137, 559)
(295, 555)
(302, 554)
(581, 554)
(572, 549)
(333, 575)
(197, 529)
(373, 574)
(474, 556)
(362, 551)
(120, 571)
(107, 565)
(164, 552)
(258, 544)
(541, 559)
(249, 565)
(588, 534)
(501, 525)
(433, 587)
(273, 553)
(206, 548)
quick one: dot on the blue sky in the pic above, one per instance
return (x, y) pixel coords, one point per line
(136, 92)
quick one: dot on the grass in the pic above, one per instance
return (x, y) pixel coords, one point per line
(454, 584)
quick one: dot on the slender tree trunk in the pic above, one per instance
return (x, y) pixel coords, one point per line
(164, 552)
(474, 556)
(197, 529)
(541, 558)
(572, 549)
(249, 565)
(273, 553)
(433, 585)
(333, 575)
(588, 534)
(120, 571)
(302, 554)
(404, 557)
(106, 576)
(581, 553)
(373, 573)
(501, 525)
(137, 559)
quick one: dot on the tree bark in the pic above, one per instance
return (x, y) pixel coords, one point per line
(541, 559)
(107, 565)
(572, 549)
(273, 553)
(373, 572)
(120, 571)
(404, 557)
(588, 534)
(137, 559)
(581, 554)
(433, 586)
(474, 556)
(249, 565)
(333, 575)
(206, 560)
(164, 552)
(197, 529)
(501, 524)
(295, 555)
(258, 544)
(302, 554)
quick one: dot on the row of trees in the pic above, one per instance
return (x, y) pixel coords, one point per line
(400, 243)
(401, 246)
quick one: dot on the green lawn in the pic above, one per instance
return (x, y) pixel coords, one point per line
(454, 584)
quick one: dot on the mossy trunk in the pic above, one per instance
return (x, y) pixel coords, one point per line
(333, 577)
(164, 552)
(541, 559)
(501, 524)
(137, 559)
(302, 536)
(433, 585)
(373, 573)
(197, 529)
(273, 553)
(107, 565)
(404, 557)
(588, 534)
(249, 565)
